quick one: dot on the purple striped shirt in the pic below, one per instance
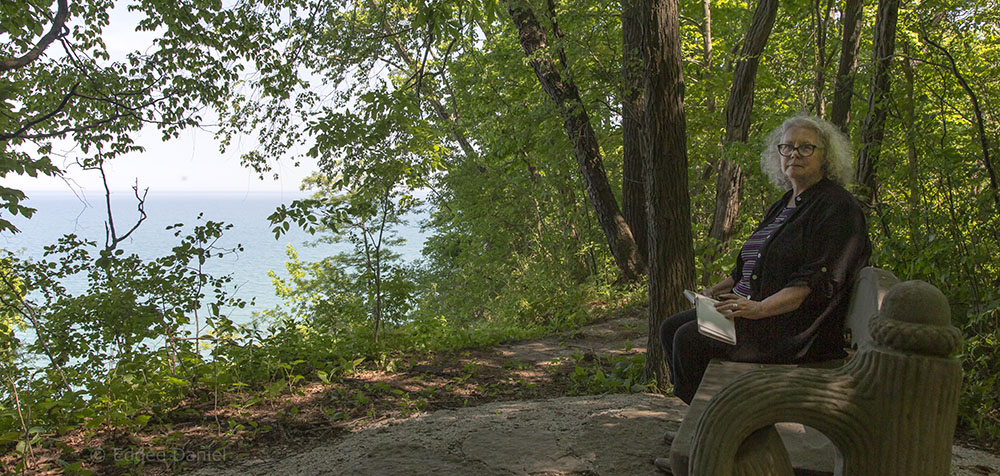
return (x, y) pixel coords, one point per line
(751, 251)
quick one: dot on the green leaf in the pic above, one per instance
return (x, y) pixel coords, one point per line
(10, 437)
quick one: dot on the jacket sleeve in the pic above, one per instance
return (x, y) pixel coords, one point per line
(837, 245)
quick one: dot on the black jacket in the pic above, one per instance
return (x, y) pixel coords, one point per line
(823, 244)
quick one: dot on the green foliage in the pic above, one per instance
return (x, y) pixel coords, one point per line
(121, 351)
(366, 284)
(980, 408)
(608, 374)
(11, 293)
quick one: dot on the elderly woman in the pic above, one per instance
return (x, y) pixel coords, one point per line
(788, 292)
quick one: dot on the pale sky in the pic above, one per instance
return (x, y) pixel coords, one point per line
(190, 163)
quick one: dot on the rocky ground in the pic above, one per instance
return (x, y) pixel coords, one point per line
(583, 436)
(578, 436)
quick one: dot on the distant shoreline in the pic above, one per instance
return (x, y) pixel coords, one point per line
(299, 193)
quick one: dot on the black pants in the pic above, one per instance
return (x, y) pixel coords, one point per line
(688, 352)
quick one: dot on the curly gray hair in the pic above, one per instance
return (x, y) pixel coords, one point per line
(838, 153)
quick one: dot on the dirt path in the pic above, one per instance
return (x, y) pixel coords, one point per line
(621, 336)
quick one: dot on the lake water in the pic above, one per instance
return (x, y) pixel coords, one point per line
(62, 213)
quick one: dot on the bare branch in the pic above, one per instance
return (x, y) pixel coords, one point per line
(111, 238)
(140, 206)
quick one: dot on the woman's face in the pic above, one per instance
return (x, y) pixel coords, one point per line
(802, 171)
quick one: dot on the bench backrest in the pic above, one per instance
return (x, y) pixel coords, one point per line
(870, 287)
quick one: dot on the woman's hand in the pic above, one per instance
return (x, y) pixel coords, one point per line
(732, 305)
(786, 300)
(724, 286)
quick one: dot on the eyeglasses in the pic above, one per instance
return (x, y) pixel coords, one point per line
(805, 150)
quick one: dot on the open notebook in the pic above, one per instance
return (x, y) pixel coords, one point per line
(711, 322)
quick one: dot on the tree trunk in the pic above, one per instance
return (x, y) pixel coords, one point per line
(577, 124)
(671, 253)
(706, 35)
(913, 176)
(844, 88)
(728, 184)
(822, 18)
(873, 128)
(738, 109)
(633, 103)
(740, 103)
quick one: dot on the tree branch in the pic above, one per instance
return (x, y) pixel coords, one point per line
(43, 118)
(980, 128)
(111, 238)
(57, 25)
(558, 33)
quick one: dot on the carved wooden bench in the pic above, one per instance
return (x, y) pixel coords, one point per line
(888, 410)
